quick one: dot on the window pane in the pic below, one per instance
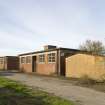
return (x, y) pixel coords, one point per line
(1, 60)
(51, 57)
(28, 59)
(42, 58)
(23, 60)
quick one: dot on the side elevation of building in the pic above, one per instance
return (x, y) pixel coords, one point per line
(9, 63)
(50, 61)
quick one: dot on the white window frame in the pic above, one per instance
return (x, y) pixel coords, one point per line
(28, 59)
(23, 60)
(41, 58)
(1, 61)
(51, 58)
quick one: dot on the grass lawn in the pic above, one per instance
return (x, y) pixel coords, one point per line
(14, 93)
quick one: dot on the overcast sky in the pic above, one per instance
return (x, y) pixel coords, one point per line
(27, 25)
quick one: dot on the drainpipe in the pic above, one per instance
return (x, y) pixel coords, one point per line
(59, 62)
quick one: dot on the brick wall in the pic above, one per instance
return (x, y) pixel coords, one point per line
(26, 68)
(45, 68)
(1, 66)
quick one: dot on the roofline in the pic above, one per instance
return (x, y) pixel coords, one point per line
(68, 49)
(30, 53)
(8, 56)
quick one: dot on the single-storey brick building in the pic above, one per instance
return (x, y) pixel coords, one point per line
(80, 65)
(48, 62)
(9, 63)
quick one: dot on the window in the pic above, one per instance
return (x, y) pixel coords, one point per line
(51, 57)
(22, 59)
(1, 60)
(28, 59)
(42, 58)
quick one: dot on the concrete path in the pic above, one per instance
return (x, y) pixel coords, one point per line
(62, 88)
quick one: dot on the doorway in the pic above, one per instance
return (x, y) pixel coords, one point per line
(63, 67)
(34, 64)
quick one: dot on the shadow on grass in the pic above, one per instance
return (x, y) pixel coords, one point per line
(12, 97)
(8, 72)
(15, 93)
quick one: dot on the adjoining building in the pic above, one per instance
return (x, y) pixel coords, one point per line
(50, 61)
(9, 63)
(80, 65)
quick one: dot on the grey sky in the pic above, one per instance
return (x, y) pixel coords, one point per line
(27, 25)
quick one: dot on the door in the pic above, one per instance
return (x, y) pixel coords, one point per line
(62, 72)
(34, 64)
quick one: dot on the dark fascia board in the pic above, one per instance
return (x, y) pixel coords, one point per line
(11, 56)
(7, 56)
(68, 49)
(37, 52)
(48, 51)
(1, 56)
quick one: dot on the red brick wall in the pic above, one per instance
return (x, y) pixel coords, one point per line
(41, 68)
(26, 68)
(46, 69)
(2, 66)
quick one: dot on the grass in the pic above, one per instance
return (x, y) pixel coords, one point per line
(15, 93)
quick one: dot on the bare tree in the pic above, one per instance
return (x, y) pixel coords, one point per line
(95, 47)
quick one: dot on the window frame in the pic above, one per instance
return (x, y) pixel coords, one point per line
(23, 60)
(28, 59)
(41, 58)
(1, 61)
(51, 57)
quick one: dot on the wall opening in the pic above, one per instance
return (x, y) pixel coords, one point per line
(34, 64)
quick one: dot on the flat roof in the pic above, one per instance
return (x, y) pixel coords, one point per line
(48, 51)
(7, 56)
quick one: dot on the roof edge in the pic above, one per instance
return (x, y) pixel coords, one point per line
(60, 48)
